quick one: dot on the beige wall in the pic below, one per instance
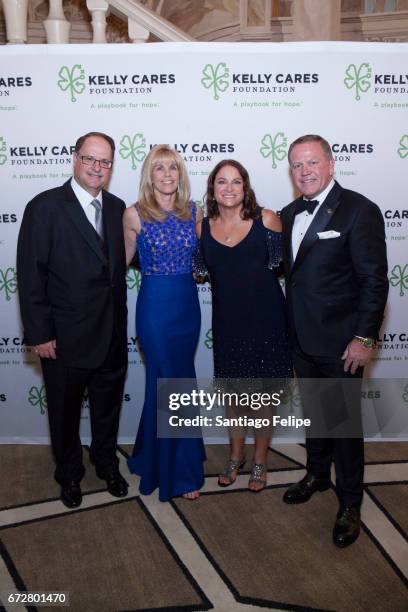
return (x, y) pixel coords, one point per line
(220, 20)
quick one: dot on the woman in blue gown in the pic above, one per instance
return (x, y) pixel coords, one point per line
(162, 223)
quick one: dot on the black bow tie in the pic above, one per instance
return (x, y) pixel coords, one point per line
(308, 205)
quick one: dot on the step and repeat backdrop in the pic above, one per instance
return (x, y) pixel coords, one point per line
(211, 102)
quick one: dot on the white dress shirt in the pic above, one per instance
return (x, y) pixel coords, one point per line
(304, 219)
(85, 200)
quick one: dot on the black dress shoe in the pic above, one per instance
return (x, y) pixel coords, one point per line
(347, 526)
(303, 490)
(116, 484)
(71, 495)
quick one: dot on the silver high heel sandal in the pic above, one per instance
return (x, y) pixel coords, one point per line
(258, 469)
(232, 466)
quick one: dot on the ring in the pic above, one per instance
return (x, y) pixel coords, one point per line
(36, 351)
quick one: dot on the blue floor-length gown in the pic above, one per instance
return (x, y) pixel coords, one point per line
(167, 324)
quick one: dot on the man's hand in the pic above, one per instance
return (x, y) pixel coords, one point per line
(46, 350)
(356, 355)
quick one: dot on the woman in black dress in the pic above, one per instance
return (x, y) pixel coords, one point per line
(241, 247)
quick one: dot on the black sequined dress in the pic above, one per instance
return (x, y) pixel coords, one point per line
(249, 323)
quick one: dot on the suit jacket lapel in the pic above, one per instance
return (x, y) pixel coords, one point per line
(287, 235)
(77, 215)
(109, 224)
(319, 223)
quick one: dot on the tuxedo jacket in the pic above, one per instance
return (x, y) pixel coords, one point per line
(336, 287)
(72, 286)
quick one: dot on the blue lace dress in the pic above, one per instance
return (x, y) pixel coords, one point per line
(167, 325)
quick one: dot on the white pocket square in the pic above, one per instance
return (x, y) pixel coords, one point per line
(329, 234)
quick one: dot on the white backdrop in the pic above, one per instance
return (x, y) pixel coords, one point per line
(211, 101)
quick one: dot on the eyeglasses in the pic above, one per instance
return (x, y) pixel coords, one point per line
(88, 160)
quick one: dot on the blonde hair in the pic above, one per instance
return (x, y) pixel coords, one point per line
(147, 205)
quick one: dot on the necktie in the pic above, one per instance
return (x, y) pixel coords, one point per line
(98, 217)
(308, 205)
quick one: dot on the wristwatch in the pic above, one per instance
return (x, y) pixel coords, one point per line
(367, 342)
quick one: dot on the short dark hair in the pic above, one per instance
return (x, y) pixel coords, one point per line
(250, 208)
(312, 138)
(81, 140)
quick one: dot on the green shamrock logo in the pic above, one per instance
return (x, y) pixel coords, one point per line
(399, 278)
(274, 146)
(208, 342)
(405, 394)
(358, 78)
(3, 149)
(133, 279)
(8, 282)
(403, 149)
(72, 80)
(133, 148)
(217, 78)
(38, 397)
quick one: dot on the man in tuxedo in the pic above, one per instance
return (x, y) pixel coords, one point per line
(336, 288)
(71, 276)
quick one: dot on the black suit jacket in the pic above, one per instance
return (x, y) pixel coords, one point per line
(70, 287)
(337, 287)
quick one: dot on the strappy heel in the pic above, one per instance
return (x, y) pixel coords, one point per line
(258, 469)
(233, 465)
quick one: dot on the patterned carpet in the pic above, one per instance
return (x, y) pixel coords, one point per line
(228, 551)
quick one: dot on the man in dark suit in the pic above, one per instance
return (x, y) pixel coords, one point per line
(336, 287)
(71, 276)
